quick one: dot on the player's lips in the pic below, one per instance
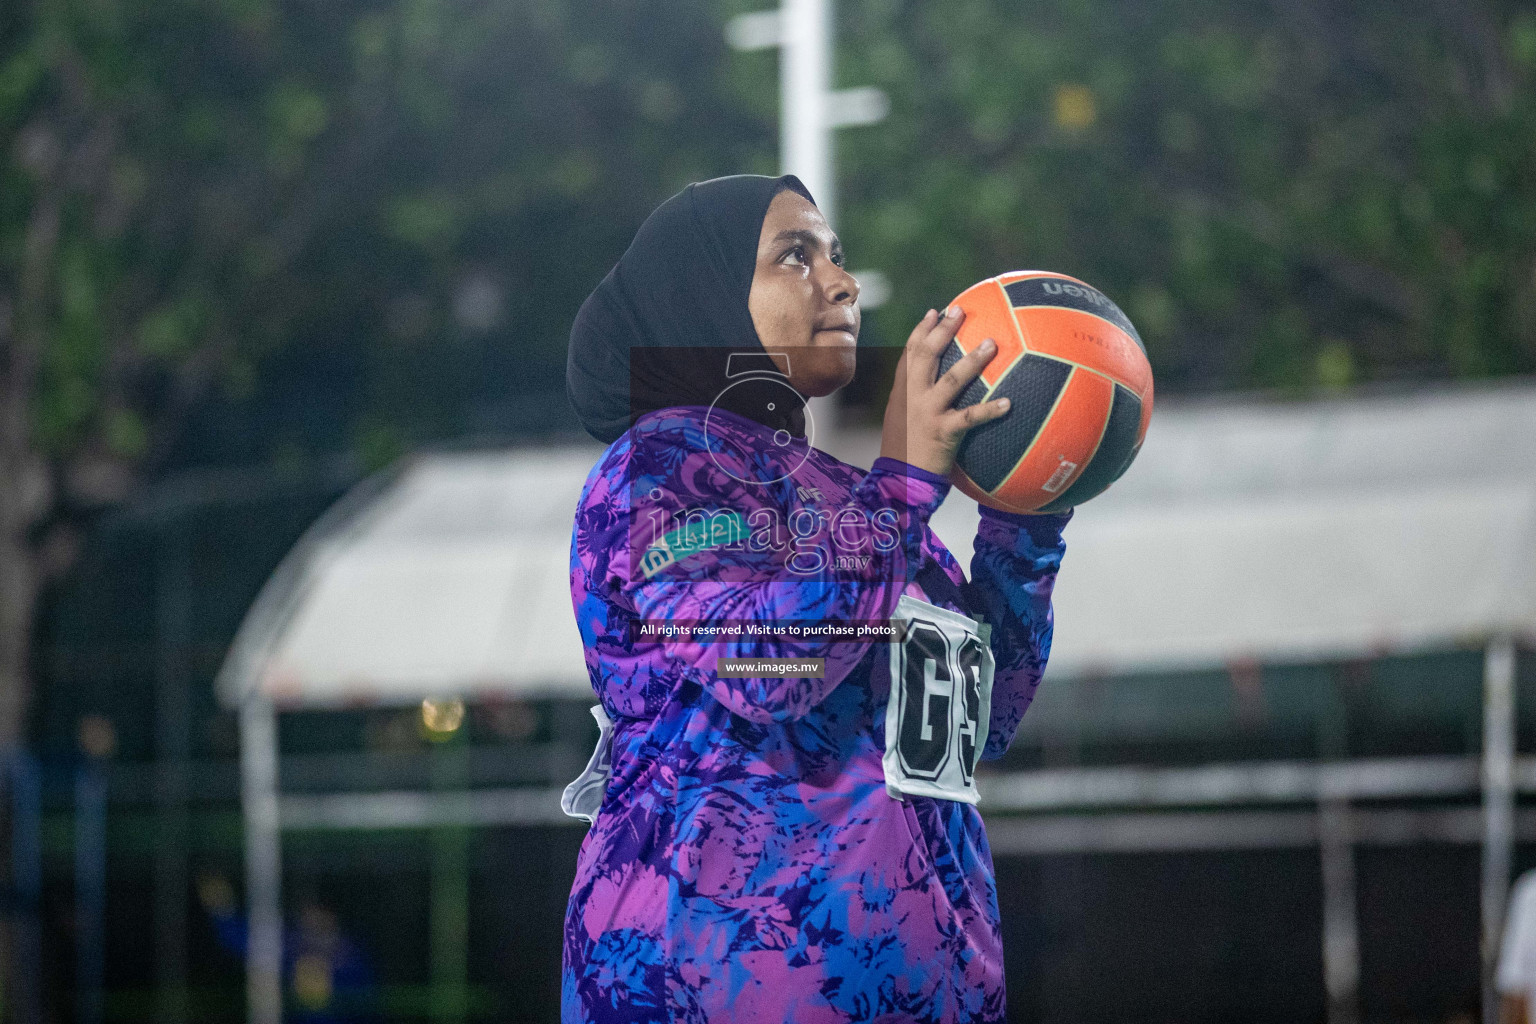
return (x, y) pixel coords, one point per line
(847, 330)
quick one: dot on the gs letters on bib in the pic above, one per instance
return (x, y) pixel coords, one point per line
(941, 700)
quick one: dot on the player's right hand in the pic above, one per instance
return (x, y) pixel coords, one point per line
(921, 426)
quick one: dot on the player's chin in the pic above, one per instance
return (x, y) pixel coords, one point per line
(829, 370)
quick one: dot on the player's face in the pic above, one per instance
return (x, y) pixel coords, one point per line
(803, 302)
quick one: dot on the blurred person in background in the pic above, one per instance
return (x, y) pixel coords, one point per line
(1516, 977)
(756, 853)
(327, 977)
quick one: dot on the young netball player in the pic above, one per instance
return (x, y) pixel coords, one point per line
(782, 847)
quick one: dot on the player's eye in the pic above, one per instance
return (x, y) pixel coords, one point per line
(798, 254)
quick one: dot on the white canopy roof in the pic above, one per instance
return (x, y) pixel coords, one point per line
(1304, 532)
(1282, 532)
(449, 578)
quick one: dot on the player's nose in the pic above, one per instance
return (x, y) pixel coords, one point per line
(840, 287)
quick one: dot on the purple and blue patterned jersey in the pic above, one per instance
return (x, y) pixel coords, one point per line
(748, 862)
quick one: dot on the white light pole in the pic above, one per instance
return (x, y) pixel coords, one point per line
(809, 110)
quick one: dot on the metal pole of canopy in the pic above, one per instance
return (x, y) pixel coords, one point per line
(1341, 931)
(263, 860)
(1498, 804)
(1336, 846)
(449, 885)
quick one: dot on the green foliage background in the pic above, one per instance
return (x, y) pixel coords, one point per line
(1288, 195)
(270, 215)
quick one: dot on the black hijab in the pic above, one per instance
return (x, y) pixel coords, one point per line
(659, 329)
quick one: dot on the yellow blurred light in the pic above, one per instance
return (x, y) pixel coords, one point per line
(442, 718)
(1075, 107)
(312, 984)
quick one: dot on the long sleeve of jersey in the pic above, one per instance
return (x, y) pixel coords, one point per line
(796, 562)
(1013, 573)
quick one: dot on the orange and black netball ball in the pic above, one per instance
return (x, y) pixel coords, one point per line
(1079, 385)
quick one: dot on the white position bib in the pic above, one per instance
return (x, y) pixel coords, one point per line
(941, 702)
